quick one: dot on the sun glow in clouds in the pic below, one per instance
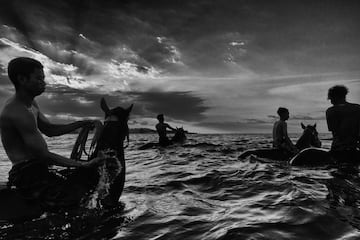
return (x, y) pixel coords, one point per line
(111, 76)
(237, 44)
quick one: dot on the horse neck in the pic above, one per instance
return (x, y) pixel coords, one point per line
(303, 141)
(111, 138)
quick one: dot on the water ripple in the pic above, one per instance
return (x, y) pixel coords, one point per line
(202, 191)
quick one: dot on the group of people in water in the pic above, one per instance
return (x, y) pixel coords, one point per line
(343, 121)
(22, 122)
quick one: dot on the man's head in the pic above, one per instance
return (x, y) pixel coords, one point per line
(160, 117)
(283, 113)
(337, 94)
(27, 74)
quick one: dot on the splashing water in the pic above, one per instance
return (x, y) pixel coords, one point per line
(107, 177)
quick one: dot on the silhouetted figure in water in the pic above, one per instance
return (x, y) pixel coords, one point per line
(343, 120)
(21, 124)
(161, 129)
(281, 139)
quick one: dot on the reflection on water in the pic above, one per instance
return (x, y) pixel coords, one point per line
(202, 191)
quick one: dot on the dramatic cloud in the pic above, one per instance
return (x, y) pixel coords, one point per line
(223, 65)
(175, 105)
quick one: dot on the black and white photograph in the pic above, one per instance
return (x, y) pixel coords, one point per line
(180, 120)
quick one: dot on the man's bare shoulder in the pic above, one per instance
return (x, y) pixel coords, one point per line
(348, 106)
(13, 111)
(331, 110)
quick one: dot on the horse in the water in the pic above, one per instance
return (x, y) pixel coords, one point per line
(13, 206)
(309, 138)
(321, 157)
(179, 137)
(112, 137)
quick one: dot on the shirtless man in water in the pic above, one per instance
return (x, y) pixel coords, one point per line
(281, 139)
(21, 125)
(161, 128)
(343, 120)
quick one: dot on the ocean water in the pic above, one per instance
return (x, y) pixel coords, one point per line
(202, 191)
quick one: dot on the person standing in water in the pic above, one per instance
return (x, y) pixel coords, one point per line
(343, 121)
(21, 125)
(281, 139)
(161, 129)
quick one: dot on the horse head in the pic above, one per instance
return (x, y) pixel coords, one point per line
(116, 114)
(179, 135)
(309, 137)
(115, 128)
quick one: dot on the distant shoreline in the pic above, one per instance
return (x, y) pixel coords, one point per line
(151, 131)
(139, 130)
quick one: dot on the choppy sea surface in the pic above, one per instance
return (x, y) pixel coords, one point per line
(200, 190)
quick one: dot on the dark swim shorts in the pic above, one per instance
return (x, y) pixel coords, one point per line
(35, 181)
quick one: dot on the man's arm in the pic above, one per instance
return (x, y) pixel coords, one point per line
(330, 120)
(51, 130)
(168, 126)
(25, 123)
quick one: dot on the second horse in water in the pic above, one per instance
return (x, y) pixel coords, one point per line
(308, 139)
(178, 138)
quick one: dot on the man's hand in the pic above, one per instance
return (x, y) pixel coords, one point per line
(100, 159)
(92, 123)
(93, 162)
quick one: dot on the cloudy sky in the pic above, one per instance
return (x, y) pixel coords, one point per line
(208, 65)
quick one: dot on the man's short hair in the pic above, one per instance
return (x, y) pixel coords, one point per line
(337, 91)
(22, 66)
(160, 116)
(282, 110)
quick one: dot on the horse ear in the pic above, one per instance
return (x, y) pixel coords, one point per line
(315, 125)
(130, 108)
(104, 106)
(303, 126)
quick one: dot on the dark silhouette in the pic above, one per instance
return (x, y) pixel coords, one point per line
(161, 129)
(21, 122)
(179, 137)
(343, 120)
(281, 139)
(309, 138)
(112, 137)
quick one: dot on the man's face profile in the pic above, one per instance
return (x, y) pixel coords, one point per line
(35, 83)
